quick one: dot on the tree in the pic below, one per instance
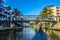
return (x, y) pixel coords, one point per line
(46, 12)
(8, 7)
(16, 12)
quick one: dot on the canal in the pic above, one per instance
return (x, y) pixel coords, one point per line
(26, 34)
(30, 34)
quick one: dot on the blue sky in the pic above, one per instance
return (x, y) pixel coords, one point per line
(31, 7)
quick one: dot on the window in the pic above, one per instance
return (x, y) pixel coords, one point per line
(57, 7)
(58, 13)
(58, 10)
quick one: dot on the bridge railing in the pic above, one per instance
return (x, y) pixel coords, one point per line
(30, 18)
(26, 18)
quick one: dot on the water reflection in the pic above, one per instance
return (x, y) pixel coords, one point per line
(53, 35)
(40, 35)
(26, 34)
(29, 34)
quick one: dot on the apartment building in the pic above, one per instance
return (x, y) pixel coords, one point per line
(55, 11)
(6, 16)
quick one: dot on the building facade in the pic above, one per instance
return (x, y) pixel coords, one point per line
(6, 16)
(55, 12)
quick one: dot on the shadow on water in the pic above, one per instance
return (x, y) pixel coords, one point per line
(40, 35)
(29, 34)
(4, 35)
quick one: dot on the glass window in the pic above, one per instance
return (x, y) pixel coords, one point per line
(57, 10)
(58, 13)
(57, 7)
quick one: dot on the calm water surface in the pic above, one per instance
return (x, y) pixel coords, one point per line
(26, 34)
(29, 34)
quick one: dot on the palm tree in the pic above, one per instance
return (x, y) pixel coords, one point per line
(16, 12)
(8, 7)
(46, 12)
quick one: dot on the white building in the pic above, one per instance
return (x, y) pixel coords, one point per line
(55, 11)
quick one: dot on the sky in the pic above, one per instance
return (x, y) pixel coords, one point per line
(31, 7)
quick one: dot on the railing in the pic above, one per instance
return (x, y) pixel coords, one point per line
(31, 17)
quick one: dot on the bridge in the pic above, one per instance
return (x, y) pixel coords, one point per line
(24, 19)
(16, 24)
(7, 18)
(10, 23)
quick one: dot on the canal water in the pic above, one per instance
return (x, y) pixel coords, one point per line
(26, 34)
(30, 34)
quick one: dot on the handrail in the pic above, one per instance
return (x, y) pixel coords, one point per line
(52, 29)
